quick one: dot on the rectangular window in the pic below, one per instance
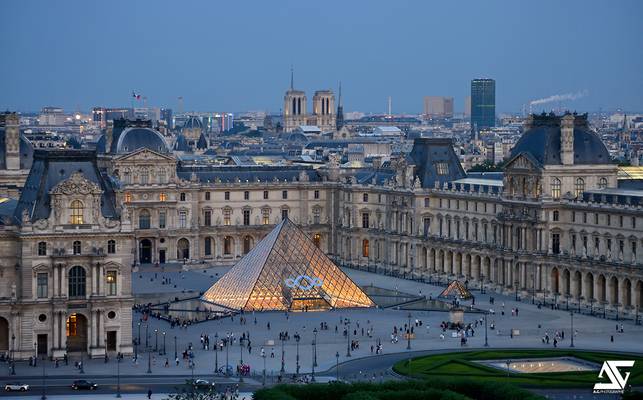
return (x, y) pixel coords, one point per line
(573, 216)
(620, 221)
(162, 197)
(42, 248)
(43, 286)
(316, 194)
(633, 222)
(365, 197)
(183, 219)
(427, 226)
(365, 220)
(226, 195)
(227, 214)
(442, 168)
(207, 221)
(584, 217)
(265, 216)
(246, 217)
(182, 197)
(207, 195)
(609, 220)
(379, 198)
(265, 195)
(246, 195)
(110, 279)
(162, 219)
(284, 194)
(555, 243)
(284, 214)
(595, 219)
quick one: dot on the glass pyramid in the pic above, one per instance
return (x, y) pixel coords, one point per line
(286, 271)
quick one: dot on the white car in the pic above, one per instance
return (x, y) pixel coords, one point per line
(21, 387)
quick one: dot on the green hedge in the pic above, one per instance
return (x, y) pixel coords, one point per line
(398, 390)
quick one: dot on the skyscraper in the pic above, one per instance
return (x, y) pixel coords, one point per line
(483, 103)
(438, 107)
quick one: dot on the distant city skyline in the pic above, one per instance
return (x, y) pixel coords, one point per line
(580, 55)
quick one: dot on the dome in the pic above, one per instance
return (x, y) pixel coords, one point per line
(193, 122)
(132, 139)
(542, 141)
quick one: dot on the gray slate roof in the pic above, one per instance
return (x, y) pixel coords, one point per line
(427, 153)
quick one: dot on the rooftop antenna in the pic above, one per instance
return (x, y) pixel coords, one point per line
(339, 102)
(180, 104)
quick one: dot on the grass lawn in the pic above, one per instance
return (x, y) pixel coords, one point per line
(462, 365)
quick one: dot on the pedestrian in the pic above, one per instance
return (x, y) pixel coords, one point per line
(149, 393)
(612, 338)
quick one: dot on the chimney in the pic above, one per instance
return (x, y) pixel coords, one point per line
(12, 141)
(109, 136)
(567, 139)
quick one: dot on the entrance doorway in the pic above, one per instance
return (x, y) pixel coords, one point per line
(162, 256)
(76, 332)
(145, 251)
(111, 340)
(183, 249)
(42, 344)
(4, 335)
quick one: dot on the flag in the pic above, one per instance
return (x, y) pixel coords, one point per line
(136, 96)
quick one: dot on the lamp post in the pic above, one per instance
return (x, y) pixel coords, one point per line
(337, 366)
(297, 358)
(283, 360)
(82, 364)
(571, 315)
(13, 355)
(118, 376)
(264, 368)
(486, 340)
(533, 287)
(617, 305)
(175, 354)
(315, 347)
(567, 296)
(516, 283)
(348, 339)
(481, 284)
(139, 333)
(312, 375)
(147, 336)
(591, 305)
(149, 362)
(216, 353)
(44, 382)
(164, 353)
(156, 340)
(408, 333)
(227, 350)
(637, 321)
(241, 361)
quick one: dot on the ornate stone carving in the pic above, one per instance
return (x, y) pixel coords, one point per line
(77, 184)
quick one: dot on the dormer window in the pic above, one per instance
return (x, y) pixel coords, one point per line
(76, 209)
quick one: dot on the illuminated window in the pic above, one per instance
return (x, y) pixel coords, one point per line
(442, 168)
(77, 277)
(602, 183)
(162, 197)
(265, 216)
(555, 188)
(110, 279)
(365, 248)
(127, 198)
(72, 325)
(227, 214)
(317, 239)
(579, 187)
(76, 212)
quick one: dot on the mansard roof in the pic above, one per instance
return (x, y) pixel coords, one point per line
(435, 161)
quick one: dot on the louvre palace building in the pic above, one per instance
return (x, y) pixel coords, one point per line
(555, 228)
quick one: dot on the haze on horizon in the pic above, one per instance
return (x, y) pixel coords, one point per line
(236, 56)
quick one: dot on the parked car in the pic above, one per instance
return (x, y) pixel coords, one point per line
(200, 383)
(83, 384)
(20, 387)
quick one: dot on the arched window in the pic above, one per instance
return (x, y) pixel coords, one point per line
(207, 246)
(247, 244)
(111, 246)
(76, 247)
(555, 188)
(76, 209)
(77, 277)
(579, 187)
(227, 245)
(144, 219)
(42, 248)
(602, 183)
(365, 248)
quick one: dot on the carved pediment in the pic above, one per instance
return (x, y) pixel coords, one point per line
(145, 154)
(77, 184)
(522, 162)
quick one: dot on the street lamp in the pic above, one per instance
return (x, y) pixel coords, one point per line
(227, 350)
(147, 336)
(216, 353)
(149, 362)
(264, 368)
(408, 333)
(241, 362)
(486, 340)
(348, 339)
(315, 348)
(139, 333)
(571, 315)
(156, 340)
(82, 364)
(118, 376)
(297, 337)
(13, 355)
(312, 377)
(337, 366)
(481, 283)
(283, 361)
(516, 283)
(175, 354)
(164, 353)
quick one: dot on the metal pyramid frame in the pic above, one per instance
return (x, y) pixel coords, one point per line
(286, 271)
(456, 289)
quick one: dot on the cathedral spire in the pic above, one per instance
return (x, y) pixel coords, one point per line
(339, 118)
(292, 78)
